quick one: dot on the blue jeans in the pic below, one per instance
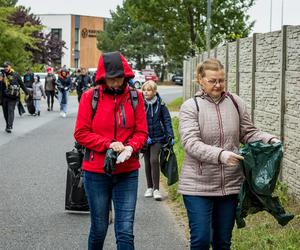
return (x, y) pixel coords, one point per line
(210, 219)
(122, 190)
(63, 100)
(37, 105)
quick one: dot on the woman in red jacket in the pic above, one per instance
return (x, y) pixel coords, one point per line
(116, 124)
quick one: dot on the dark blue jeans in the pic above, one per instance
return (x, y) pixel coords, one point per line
(122, 190)
(210, 219)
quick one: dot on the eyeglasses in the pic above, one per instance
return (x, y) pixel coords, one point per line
(214, 82)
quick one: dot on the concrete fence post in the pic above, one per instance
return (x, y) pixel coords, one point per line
(237, 70)
(226, 65)
(282, 79)
(253, 76)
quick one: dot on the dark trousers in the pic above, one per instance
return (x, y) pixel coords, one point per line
(50, 97)
(210, 219)
(122, 190)
(8, 106)
(152, 165)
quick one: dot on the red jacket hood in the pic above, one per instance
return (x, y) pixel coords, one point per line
(111, 65)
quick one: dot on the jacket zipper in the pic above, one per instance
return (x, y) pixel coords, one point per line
(222, 145)
(115, 119)
(123, 116)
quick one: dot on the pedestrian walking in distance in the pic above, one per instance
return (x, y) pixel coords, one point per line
(37, 92)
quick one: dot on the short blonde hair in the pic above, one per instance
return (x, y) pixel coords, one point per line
(209, 64)
(151, 84)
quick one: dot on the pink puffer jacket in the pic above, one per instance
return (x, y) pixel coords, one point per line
(204, 134)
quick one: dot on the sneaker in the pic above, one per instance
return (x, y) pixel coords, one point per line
(8, 130)
(64, 115)
(149, 192)
(157, 195)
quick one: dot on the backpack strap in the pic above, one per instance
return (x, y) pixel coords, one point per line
(234, 102)
(95, 100)
(197, 106)
(134, 98)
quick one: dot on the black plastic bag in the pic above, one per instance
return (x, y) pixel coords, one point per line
(261, 166)
(110, 161)
(75, 194)
(168, 163)
(21, 109)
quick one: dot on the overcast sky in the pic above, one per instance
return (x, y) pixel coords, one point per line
(260, 12)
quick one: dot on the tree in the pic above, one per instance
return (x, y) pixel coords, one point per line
(183, 23)
(13, 40)
(48, 48)
(8, 3)
(136, 40)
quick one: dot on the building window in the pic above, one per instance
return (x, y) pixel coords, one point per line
(57, 33)
(77, 39)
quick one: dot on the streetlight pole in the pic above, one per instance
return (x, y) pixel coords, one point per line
(271, 10)
(208, 27)
(282, 5)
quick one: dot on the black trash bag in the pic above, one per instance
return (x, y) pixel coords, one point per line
(29, 102)
(21, 109)
(110, 161)
(261, 166)
(168, 163)
(75, 199)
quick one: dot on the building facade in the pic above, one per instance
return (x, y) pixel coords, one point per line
(79, 33)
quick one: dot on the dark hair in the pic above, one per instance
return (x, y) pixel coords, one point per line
(38, 78)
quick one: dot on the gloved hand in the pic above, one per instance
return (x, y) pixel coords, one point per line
(66, 88)
(125, 154)
(274, 140)
(229, 158)
(110, 161)
(149, 141)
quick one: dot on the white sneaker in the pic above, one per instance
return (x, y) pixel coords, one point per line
(61, 113)
(149, 192)
(157, 195)
(64, 115)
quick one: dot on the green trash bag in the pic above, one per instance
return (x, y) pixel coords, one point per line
(168, 163)
(261, 166)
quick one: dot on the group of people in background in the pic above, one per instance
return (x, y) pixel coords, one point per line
(54, 86)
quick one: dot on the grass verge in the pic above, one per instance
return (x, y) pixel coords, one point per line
(175, 104)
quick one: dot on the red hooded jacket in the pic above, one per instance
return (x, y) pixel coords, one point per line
(114, 120)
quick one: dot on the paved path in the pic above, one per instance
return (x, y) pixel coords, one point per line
(33, 173)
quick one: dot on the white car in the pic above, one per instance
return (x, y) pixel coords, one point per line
(138, 79)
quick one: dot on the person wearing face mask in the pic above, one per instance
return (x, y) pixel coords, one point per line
(114, 126)
(159, 131)
(212, 125)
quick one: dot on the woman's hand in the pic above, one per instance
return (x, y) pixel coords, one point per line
(229, 158)
(117, 146)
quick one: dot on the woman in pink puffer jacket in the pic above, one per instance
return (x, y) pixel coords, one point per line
(212, 126)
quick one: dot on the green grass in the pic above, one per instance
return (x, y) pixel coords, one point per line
(175, 104)
(262, 232)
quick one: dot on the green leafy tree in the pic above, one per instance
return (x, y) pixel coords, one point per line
(183, 23)
(8, 3)
(48, 48)
(13, 40)
(136, 40)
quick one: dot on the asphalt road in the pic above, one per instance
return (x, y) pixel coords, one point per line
(32, 181)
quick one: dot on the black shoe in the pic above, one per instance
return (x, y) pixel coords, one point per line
(8, 130)
(38, 113)
(48, 109)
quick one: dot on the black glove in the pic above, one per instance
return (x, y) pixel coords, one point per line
(110, 161)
